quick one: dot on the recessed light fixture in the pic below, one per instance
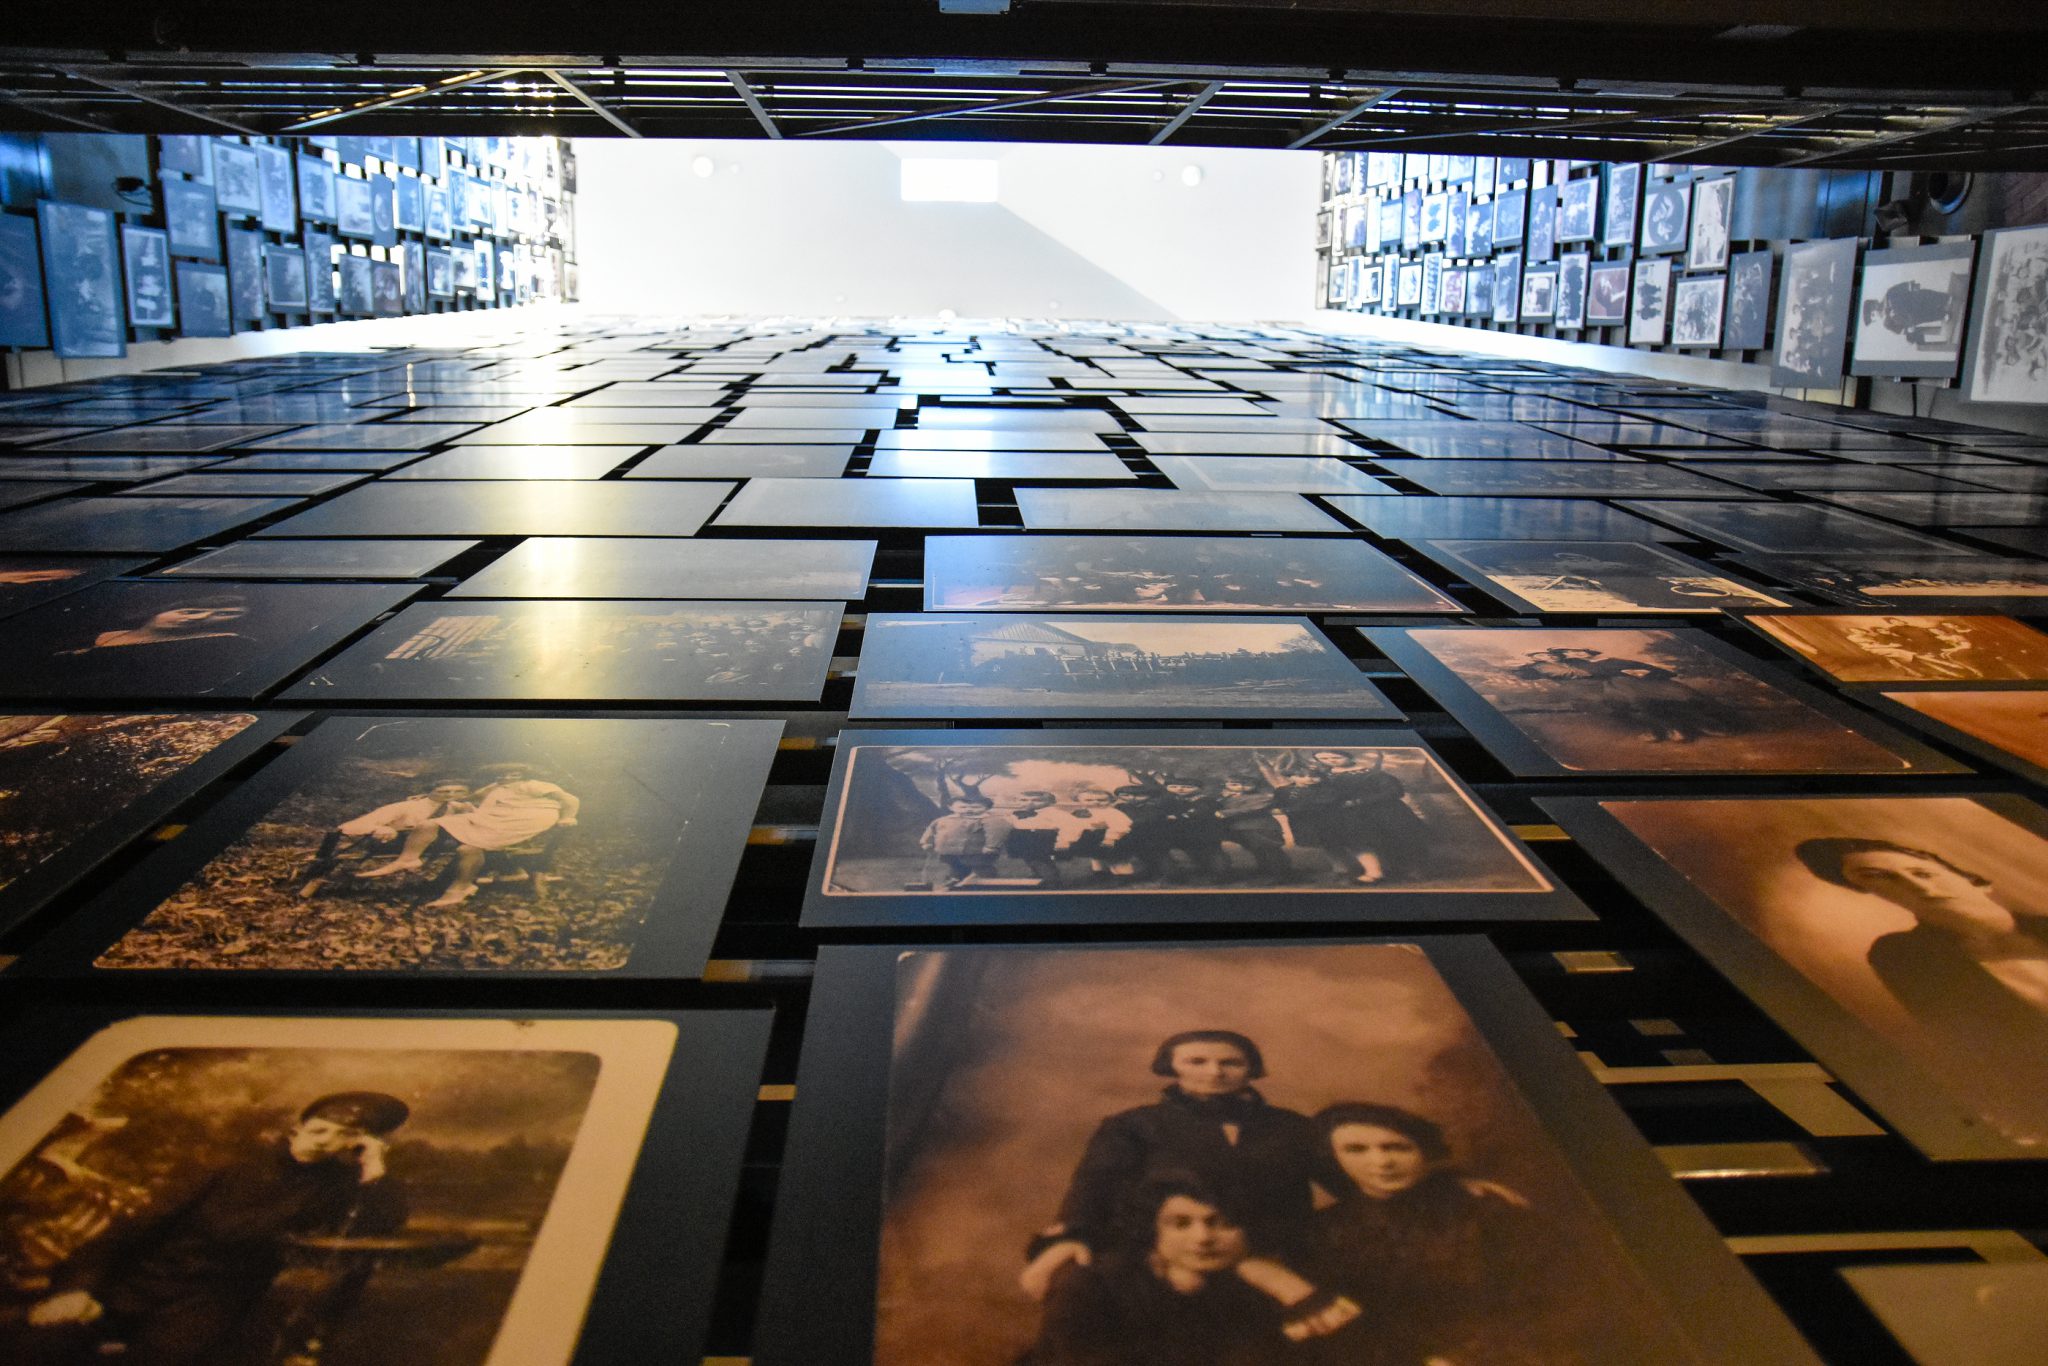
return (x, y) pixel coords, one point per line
(703, 166)
(1191, 176)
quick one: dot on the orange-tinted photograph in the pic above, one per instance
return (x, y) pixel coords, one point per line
(2013, 720)
(1864, 648)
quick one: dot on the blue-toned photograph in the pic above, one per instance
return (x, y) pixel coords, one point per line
(352, 207)
(245, 274)
(284, 278)
(236, 180)
(438, 222)
(387, 299)
(22, 322)
(320, 271)
(316, 189)
(409, 209)
(383, 212)
(486, 270)
(193, 220)
(440, 274)
(355, 286)
(183, 152)
(82, 274)
(415, 277)
(146, 253)
(280, 200)
(203, 300)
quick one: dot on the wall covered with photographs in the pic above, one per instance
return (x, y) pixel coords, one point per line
(1058, 844)
(112, 239)
(1786, 268)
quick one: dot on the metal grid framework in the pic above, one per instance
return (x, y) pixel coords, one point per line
(1047, 102)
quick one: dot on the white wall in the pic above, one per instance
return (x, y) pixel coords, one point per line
(819, 228)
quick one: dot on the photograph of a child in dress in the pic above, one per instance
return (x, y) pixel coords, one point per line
(1106, 819)
(1244, 1157)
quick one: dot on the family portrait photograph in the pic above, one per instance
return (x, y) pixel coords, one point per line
(1880, 647)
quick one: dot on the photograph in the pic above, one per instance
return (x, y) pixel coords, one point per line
(82, 281)
(410, 844)
(1404, 517)
(1814, 299)
(352, 1190)
(553, 651)
(1882, 648)
(1165, 510)
(1246, 1155)
(1713, 209)
(2006, 355)
(1903, 941)
(1972, 1314)
(203, 309)
(651, 567)
(1262, 473)
(1507, 286)
(245, 275)
(919, 665)
(1539, 293)
(236, 177)
(1976, 581)
(352, 559)
(191, 216)
(1409, 290)
(146, 258)
(284, 275)
(352, 217)
(320, 288)
(23, 319)
(451, 507)
(1577, 209)
(1696, 310)
(1037, 827)
(2008, 726)
(1611, 478)
(1665, 206)
(864, 504)
(1169, 574)
(26, 580)
(185, 152)
(1594, 576)
(1510, 218)
(1643, 701)
(316, 189)
(1650, 305)
(1749, 301)
(279, 197)
(1542, 240)
(1624, 193)
(1910, 310)
(157, 639)
(1607, 294)
(1791, 528)
(1571, 285)
(128, 526)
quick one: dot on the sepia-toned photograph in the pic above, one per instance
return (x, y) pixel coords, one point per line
(348, 1191)
(1031, 667)
(620, 650)
(1041, 825)
(1594, 576)
(1916, 926)
(1921, 580)
(2008, 725)
(1881, 648)
(26, 580)
(1169, 574)
(1636, 701)
(460, 844)
(1245, 1156)
(2006, 356)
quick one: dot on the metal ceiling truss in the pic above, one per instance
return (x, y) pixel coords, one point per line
(1064, 101)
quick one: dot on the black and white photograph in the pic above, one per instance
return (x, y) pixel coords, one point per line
(1696, 310)
(1169, 574)
(2006, 355)
(596, 651)
(1556, 701)
(1542, 239)
(148, 639)
(129, 525)
(1345, 1128)
(146, 262)
(1539, 293)
(82, 281)
(1713, 210)
(414, 844)
(1607, 294)
(1408, 290)
(1041, 826)
(1900, 940)
(1749, 301)
(316, 189)
(1814, 299)
(1507, 286)
(1572, 270)
(1665, 205)
(941, 666)
(1910, 310)
(203, 306)
(279, 200)
(1649, 315)
(1624, 194)
(1578, 209)
(1510, 219)
(237, 180)
(1595, 576)
(190, 214)
(2003, 726)
(284, 275)
(24, 316)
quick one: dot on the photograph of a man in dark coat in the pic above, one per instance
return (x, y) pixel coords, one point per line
(177, 1286)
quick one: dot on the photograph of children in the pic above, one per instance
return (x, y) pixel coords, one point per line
(1813, 313)
(1924, 581)
(975, 664)
(194, 1191)
(624, 650)
(147, 639)
(1923, 920)
(1168, 574)
(1635, 701)
(1910, 309)
(2006, 359)
(2010, 725)
(26, 580)
(1883, 648)
(460, 844)
(1215, 1176)
(1594, 576)
(1034, 824)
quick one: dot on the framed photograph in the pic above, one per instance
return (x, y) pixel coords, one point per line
(316, 189)
(1551, 702)
(1665, 205)
(1510, 212)
(409, 204)
(1572, 271)
(1884, 647)
(26, 580)
(1409, 290)
(1790, 528)
(1594, 576)
(1578, 209)
(925, 1152)
(320, 287)
(246, 275)
(1411, 219)
(440, 274)
(1813, 313)
(317, 559)
(1169, 574)
(192, 219)
(1539, 293)
(2004, 726)
(652, 567)
(1458, 233)
(82, 281)
(486, 270)
(1860, 925)
(608, 651)
(1607, 294)
(1543, 223)
(1650, 305)
(553, 847)
(1479, 291)
(1624, 195)
(414, 271)
(237, 179)
(1696, 310)
(1513, 170)
(383, 211)
(146, 257)
(387, 290)
(942, 827)
(1390, 217)
(1931, 582)
(1748, 325)
(184, 152)
(918, 666)
(537, 1181)
(1431, 302)
(2005, 357)
(1713, 210)
(81, 787)
(1507, 287)
(284, 274)
(1910, 309)
(1436, 217)
(439, 225)
(1405, 517)
(1581, 478)
(355, 298)
(353, 216)
(23, 321)
(279, 197)
(1451, 302)
(1479, 230)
